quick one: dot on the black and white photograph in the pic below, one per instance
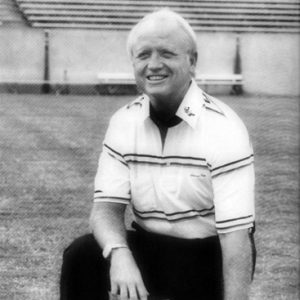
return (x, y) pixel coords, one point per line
(149, 150)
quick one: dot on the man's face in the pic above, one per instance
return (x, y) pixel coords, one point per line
(161, 62)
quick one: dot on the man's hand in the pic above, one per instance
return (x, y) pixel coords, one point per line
(125, 277)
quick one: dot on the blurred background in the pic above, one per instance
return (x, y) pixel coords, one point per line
(64, 70)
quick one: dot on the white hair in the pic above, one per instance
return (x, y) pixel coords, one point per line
(164, 14)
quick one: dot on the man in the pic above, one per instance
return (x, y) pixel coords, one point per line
(183, 161)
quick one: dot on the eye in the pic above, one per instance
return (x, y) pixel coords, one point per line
(143, 55)
(167, 54)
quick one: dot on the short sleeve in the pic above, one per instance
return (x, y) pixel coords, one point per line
(234, 199)
(232, 175)
(112, 178)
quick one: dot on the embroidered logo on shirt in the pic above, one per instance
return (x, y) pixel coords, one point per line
(198, 175)
(188, 112)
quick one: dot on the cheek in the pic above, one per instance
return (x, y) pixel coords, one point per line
(186, 68)
(139, 75)
(138, 65)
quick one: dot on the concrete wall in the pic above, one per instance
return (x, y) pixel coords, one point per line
(85, 53)
(21, 53)
(270, 62)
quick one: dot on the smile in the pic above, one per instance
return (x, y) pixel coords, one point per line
(156, 77)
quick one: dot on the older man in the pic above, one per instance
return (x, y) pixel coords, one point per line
(184, 163)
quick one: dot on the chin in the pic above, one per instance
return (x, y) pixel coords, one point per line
(156, 91)
(157, 95)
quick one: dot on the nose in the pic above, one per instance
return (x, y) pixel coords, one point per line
(154, 62)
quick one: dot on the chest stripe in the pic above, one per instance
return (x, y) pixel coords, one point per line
(174, 213)
(166, 160)
(166, 163)
(165, 157)
(172, 219)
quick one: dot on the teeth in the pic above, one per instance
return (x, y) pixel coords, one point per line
(156, 77)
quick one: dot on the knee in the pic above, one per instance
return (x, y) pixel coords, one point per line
(81, 249)
(84, 270)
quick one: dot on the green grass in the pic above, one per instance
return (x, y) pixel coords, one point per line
(49, 149)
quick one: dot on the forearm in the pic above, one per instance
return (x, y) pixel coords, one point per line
(107, 223)
(237, 265)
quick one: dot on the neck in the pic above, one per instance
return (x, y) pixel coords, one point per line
(167, 106)
(163, 120)
(165, 109)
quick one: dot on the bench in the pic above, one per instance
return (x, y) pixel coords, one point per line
(112, 80)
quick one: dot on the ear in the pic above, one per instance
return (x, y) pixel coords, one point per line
(193, 57)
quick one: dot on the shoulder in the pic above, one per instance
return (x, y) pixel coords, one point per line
(122, 126)
(226, 135)
(129, 112)
(222, 119)
(125, 120)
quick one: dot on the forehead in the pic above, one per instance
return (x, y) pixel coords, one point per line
(160, 33)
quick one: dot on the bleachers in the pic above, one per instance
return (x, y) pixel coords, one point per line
(203, 15)
(9, 12)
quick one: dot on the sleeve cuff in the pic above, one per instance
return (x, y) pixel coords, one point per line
(231, 225)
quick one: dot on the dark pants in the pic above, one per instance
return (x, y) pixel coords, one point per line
(171, 268)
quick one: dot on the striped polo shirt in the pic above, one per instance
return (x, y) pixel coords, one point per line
(199, 184)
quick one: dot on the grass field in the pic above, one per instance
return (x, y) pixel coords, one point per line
(49, 148)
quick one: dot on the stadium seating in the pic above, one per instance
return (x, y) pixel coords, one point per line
(9, 12)
(203, 15)
(237, 16)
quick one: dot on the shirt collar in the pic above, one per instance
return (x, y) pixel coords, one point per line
(145, 107)
(191, 106)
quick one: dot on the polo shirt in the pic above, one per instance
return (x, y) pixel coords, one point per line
(199, 184)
